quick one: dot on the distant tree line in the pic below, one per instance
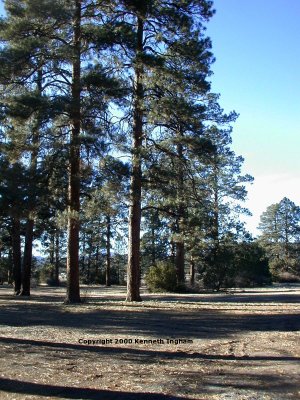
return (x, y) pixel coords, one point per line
(113, 146)
(280, 237)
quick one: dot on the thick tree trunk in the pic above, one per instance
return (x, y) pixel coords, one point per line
(73, 291)
(27, 258)
(133, 270)
(16, 255)
(108, 255)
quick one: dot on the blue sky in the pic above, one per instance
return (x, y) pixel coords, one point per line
(257, 72)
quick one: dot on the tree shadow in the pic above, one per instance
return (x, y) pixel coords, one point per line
(100, 294)
(237, 385)
(142, 353)
(245, 297)
(159, 323)
(30, 388)
(218, 379)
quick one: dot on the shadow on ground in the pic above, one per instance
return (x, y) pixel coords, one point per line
(140, 353)
(160, 323)
(29, 388)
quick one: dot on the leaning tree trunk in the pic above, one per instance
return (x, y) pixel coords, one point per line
(16, 255)
(73, 291)
(133, 270)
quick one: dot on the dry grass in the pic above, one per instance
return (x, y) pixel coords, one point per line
(238, 345)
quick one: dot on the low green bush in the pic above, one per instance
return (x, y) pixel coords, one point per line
(162, 278)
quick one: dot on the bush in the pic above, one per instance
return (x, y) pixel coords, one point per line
(162, 277)
(237, 265)
(44, 274)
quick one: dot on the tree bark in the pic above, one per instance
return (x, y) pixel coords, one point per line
(16, 255)
(133, 270)
(73, 291)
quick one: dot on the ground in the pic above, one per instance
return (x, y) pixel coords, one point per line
(238, 345)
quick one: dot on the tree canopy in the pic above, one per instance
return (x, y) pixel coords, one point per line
(114, 147)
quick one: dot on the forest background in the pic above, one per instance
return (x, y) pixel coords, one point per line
(107, 108)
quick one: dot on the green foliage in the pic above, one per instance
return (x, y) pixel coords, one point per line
(252, 267)
(236, 264)
(44, 273)
(5, 267)
(141, 66)
(161, 277)
(280, 227)
(220, 268)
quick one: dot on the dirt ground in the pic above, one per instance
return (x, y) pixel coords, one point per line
(239, 345)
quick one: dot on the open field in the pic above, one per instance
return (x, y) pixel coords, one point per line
(237, 345)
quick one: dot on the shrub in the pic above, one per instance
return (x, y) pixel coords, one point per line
(161, 277)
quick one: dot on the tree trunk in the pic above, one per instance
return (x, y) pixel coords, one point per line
(108, 255)
(215, 221)
(192, 271)
(153, 247)
(180, 247)
(179, 262)
(16, 255)
(27, 258)
(89, 261)
(133, 270)
(97, 264)
(56, 262)
(73, 291)
(51, 255)
(10, 272)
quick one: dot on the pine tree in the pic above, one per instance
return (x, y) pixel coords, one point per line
(55, 37)
(226, 187)
(12, 194)
(153, 27)
(280, 226)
